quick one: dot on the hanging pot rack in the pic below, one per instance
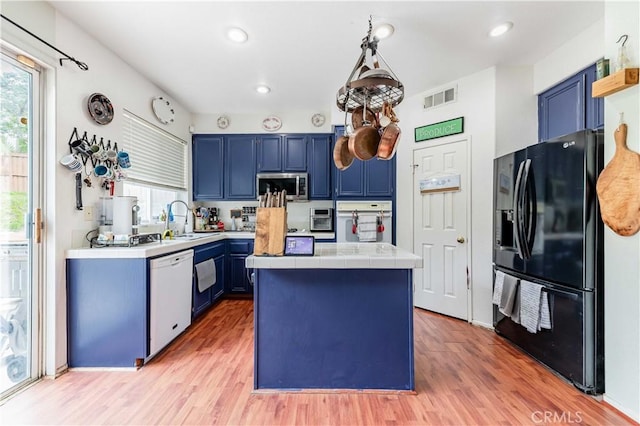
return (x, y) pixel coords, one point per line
(372, 86)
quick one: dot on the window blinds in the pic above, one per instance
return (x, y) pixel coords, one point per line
(157, 157)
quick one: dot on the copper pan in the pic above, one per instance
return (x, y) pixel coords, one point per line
(357, 119)
(341, 155)
(363, 143)
(388, 142)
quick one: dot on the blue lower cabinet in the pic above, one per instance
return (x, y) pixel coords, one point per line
(202, 300)
(239, 278)
(107, 312)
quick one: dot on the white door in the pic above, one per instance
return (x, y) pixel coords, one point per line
(440, 229)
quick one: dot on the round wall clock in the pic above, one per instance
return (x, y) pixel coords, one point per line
(100, 108)
(163, 110)
(317, 120)
(271, 123)
(223, 122)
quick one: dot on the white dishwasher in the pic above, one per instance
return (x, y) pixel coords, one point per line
(170, 280)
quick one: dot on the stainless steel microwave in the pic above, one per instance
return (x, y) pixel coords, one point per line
(296, 184)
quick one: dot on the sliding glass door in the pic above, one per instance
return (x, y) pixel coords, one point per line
(19, 210)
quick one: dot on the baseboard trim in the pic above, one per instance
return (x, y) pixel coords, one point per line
(614, 406)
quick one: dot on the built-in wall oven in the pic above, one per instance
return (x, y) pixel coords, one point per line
(364, 221)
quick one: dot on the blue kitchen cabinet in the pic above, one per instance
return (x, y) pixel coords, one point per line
(568, 106)
(365, 179)
(282, 153)
(205, 299)
(319, 161)
(107, 306)
(269, 150)
(207, 161)
(238, 281)
(240, 167)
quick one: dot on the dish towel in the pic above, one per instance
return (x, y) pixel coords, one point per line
(534, 307)
(505, 292)
(205, 274)
(367, 228)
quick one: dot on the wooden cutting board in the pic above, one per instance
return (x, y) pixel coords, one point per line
(618, 188)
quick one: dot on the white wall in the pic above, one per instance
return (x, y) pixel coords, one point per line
(576, 54)
(293, 121)
(476, 103)
(622, 254)
(125, 88)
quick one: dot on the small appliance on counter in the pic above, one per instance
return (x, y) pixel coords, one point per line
(249, 219)
(321, 219)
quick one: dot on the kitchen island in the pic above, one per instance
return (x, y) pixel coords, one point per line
(341, 319)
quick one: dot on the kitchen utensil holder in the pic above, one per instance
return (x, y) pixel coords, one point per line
(271, 230)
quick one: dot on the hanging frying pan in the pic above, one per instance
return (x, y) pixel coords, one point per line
(388, 142)
(342, 157)
(358, 118)
(363, 143)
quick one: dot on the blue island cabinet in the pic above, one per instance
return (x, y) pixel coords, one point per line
(107, 312)
(205, 299)
(333, 329)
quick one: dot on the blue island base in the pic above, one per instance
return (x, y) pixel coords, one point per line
(333, 329)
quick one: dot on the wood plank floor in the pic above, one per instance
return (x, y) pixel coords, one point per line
(465, 375)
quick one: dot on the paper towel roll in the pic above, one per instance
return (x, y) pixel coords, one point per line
(123, 215)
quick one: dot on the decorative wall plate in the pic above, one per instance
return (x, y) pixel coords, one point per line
(271, 123)
(163, 110)
(100, 108)
(223, 122)
(317, 120)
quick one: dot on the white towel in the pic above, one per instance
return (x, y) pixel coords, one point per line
(530, 295)
(545, 312)
(497, 288)
(205, 274)
(367, 228)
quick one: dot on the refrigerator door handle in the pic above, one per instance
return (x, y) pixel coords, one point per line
(517, 211)
(531, 208)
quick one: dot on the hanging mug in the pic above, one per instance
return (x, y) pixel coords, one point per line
(103, 172)
(123, 160)
(71, 162)
(98, 152)
(112, 155)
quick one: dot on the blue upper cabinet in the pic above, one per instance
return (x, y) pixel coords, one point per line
(568, 106)
(269, 149)
(240, 167)
(372, 179)
(318, 155)
(208, 158)
(282, 153)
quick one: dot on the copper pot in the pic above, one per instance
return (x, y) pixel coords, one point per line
(388, 142)
(363, 143)
(358, 118)
(342, 157)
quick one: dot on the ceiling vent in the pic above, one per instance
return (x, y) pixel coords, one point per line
(442, 97)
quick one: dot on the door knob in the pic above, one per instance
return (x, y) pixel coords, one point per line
(460, 240)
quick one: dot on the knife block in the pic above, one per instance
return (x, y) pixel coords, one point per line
(271, 230)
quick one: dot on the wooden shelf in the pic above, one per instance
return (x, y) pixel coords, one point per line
(614, 82)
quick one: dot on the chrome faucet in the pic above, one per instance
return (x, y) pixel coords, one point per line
(186, 216)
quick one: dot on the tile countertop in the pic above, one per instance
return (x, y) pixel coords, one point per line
(342, 256)
(170, 246)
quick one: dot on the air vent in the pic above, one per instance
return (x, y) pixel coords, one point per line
(441, 98)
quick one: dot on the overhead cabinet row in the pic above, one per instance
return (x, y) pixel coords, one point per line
(225, 166)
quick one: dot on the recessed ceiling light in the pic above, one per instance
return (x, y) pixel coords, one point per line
(237, 35)
(501, 29)
(263, 89)
(383, 31)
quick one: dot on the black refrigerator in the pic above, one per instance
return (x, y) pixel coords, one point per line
(548, 231)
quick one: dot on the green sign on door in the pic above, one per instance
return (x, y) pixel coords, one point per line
(439, 130)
